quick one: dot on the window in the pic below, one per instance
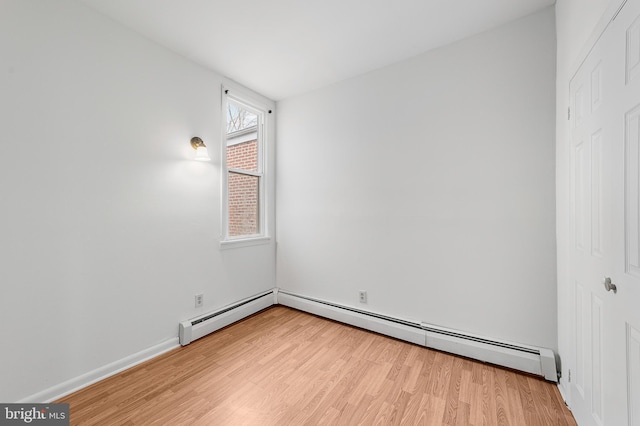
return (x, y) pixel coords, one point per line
(244, 179)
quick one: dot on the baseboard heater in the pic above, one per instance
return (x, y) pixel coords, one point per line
(198, 327)
(529, 359)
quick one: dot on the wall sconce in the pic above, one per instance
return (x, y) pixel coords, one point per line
(201, 149)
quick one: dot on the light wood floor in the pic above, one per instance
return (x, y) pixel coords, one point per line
(285, 367)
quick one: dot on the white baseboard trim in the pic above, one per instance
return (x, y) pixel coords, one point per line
(564, 394)
(101, 373)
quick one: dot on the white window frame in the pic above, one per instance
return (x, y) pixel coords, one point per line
(261, 111)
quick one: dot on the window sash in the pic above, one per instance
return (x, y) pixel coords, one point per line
(244, 172)
(244, 210)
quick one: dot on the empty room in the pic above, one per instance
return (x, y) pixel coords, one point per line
(338, 212)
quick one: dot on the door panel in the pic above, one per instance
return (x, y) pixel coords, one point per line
(632, 195)
(633, 367)
(597, 189)
(633, 51)
(582, 199)
(581, 346)
(597, 400)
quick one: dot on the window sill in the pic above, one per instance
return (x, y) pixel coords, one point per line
(244, 242)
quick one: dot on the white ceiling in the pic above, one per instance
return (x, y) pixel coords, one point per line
(281, 48)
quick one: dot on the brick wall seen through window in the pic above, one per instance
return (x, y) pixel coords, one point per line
(243, 189)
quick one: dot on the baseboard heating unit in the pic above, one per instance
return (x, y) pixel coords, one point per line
(198, 327)
(529, 359)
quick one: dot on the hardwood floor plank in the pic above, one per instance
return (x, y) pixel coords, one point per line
(504, 414)
(435, 410)
(513, 398)
(475, 404)
(489, 410)
(453, 394)
(463, 416)
(441, 374)
(285, 367)
(410, 383)
(426, 360)
(466, 383)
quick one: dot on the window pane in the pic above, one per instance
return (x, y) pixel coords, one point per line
(239, 119)
(243, 204)
(243, 154)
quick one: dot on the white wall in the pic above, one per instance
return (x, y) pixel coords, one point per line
(108, 228)
(576, 21)
(430, 184)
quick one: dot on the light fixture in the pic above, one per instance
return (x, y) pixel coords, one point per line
(201, 149)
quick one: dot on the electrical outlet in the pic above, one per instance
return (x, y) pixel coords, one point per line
(199, 300)
(363, 296)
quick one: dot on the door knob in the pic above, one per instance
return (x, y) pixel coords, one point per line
(609, 285)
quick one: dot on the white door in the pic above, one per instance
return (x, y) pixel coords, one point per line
(605, 94)
(592, 233)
